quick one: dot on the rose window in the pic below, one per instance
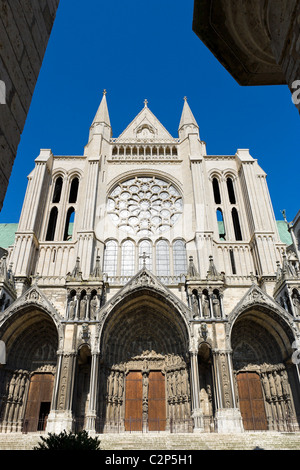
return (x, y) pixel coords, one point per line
(145, 206)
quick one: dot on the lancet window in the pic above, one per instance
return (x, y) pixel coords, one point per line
(110, 258)
(179, 258)
(161, 258)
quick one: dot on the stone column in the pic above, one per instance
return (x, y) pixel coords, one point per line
(228, 416)
(60, 417)
(197, 414)
(92, 412)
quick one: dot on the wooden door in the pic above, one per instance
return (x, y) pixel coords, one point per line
(156, 402)
(134, 402)
(38, 402)
(252, 405)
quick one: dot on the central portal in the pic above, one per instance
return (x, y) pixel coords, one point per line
(144, 373)
(145, 401)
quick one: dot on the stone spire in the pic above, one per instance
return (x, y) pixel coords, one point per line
(188, 124)
(101, 123)
(102, 116)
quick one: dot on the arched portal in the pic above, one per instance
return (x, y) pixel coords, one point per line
(144, 374)
(266, 379)
(27, 379)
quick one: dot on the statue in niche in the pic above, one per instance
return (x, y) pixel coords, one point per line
(72, 307)
(296, 303)
(205, 306)
(288, 303)
(94, 306)
(195, 305)
(83, 304)
(216, 306)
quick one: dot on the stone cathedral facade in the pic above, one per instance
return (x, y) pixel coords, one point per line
(148, 289)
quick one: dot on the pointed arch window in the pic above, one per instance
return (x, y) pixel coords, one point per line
(128, 258)
(52, 224)
(221, 225)
(231, 193)
(236, 225)
(110, 258)
(57, 190)
(74, 191)
(162, 258)
(216, 189)
(179, 258)
(145, 247)
(69, 226)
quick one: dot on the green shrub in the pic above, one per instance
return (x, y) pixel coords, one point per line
(68, 441)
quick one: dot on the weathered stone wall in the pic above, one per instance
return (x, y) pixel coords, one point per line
(257, 41)
(283, 19)
(25, 27)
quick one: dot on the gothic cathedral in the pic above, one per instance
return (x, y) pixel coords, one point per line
(148, 289)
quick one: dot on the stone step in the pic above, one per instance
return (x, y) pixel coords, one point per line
(166, 441)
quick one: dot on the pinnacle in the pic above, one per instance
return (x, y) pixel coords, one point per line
(102, 115)
(187, 116)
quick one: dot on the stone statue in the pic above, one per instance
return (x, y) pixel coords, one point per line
(216, 306)
(266, 385)
(72, 307)
(195, 305)
(83, 304)
(296, 303)
(205, 306)
(94, 306)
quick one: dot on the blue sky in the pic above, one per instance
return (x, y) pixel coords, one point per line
(140, 50)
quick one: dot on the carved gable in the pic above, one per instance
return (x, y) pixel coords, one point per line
(145, 127)
(144, 279)
(255, 297)
(33, 297)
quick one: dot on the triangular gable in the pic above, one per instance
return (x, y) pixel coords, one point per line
(144, 127)
(145, 279)
(256, 297)
(33, 297)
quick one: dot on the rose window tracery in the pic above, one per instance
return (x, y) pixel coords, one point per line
(145, 206)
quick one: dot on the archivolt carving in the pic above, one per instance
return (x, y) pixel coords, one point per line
(145, 282)
(33, 299)
(258, 301)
